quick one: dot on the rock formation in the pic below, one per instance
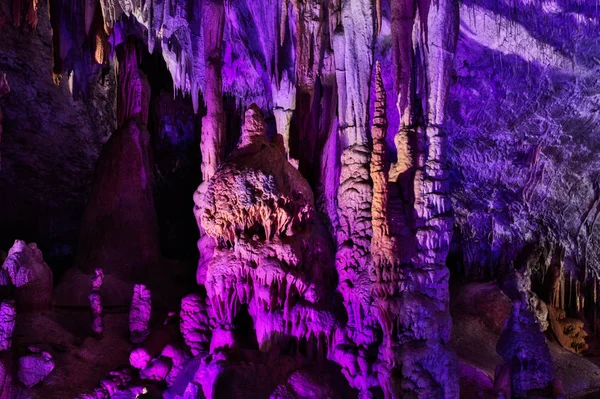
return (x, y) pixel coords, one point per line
(344, 156)
(139, 313)
(8, 315)
(35, 367)
(31, 277)
(96, 303)
(196, 327)
(112, 236)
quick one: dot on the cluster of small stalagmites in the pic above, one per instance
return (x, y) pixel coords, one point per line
(159, 355)
(25, 270)
(117, 381)
(26, 276)
(96, 303)
(139, 313)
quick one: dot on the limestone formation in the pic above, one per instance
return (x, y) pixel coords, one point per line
(154, 344)
(139, 313)
(30, 275)
(196, 326)
(35, 367)
(8, 315)
(523, 347)
(568, 331)
(96, 303)
(119, 231)
(213, 124)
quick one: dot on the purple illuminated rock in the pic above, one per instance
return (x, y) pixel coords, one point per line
(31, 276)
(35, 367)
(139, 313)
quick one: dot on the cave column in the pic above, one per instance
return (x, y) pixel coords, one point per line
(213, 124)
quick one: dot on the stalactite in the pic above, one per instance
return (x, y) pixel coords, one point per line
(402, 15)
(284, 104)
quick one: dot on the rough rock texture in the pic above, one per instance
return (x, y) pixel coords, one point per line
(139, 313)
(8, 315)
(569, 332)
(196, 326)
(35, 367)
(523, 347)
(213, 124)
(523, 146)
(96, 302)
(31, 277)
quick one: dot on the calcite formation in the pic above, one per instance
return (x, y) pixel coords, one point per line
(523, 347)
(321, 138)
(139, 313)
(270, 257)
(569, 331)
(31, 277)
(96, 302)
(8, 316)
(35, 367)
(111, 236)
(196, 327)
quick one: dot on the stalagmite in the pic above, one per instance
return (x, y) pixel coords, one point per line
(523, 347)
(195, 323)
(121, 213)
(35, 367)
(8, 316)
(96, 303)
(139, 313)
(31, 276)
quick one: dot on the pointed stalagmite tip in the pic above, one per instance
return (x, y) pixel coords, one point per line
(254, 124)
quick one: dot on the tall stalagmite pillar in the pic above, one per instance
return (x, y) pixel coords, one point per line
(213, 124)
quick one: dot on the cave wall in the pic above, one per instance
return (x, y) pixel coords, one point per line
(50, 139)
(523, 121)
